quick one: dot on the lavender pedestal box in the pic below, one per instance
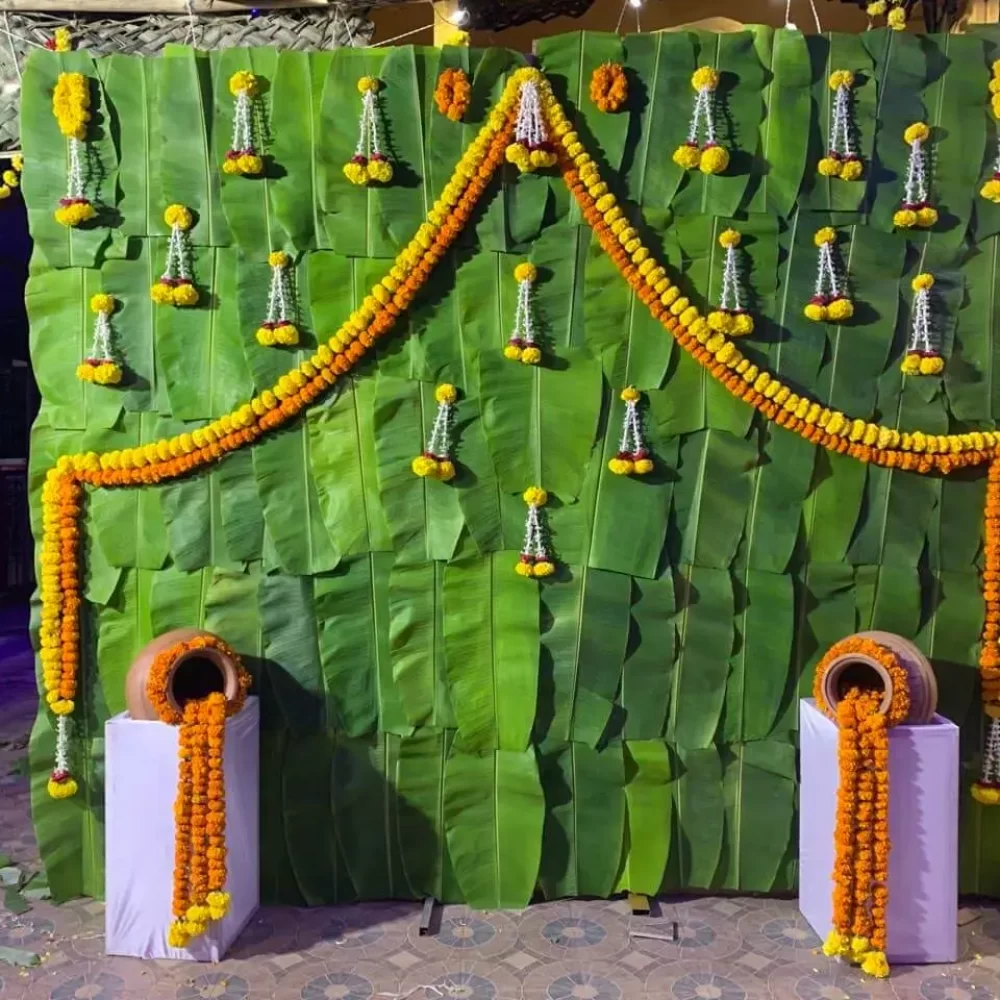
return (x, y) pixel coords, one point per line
(923, 827)
(140, 788)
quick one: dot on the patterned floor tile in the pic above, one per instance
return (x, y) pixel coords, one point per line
(344, 979)
(700, 933)
(362, 930)
(580, 979)
(704, 980)
(462, 978)
(579, 931)
(824, 979)
(465, 931)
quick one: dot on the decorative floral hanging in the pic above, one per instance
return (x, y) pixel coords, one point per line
(609, 86)
(633, 455)
(71, 106)
(916, 209)
(536, 560)
(923, 356)
(453, 94)
(100, 366)
(896, 17)
(731, 317)
(61, 40)
(11, 178)
(862, 845)
(370, 161)
(830, 301)
(522, 345)
(991, 189)
(987, 789)
(435, 462)
(243, 157)
(176, 284)
(279, 328)
(842, 159)
(531, 148)
(708, 155)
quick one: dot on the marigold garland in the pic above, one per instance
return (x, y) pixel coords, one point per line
(633, 455)
(176, 285)
(731, 317)
(200, 806)
(861, 834)
(71, 106)
(531, 149)
(243, 157)
(100, 365)
(522, 345)
(923, 356)
(453, 93)
(609, 86)
(991, 189)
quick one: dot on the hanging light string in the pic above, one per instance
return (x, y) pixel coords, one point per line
(923, 356)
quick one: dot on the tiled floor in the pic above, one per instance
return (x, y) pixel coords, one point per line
(728, 949)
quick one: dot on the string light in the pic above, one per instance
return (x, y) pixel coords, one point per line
(458, 17)
(635, 4)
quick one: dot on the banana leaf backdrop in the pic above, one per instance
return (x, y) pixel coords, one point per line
(432, 723)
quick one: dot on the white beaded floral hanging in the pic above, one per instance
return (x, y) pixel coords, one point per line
(916, 209)
(522, 345)
(243, 156)
(435, 461)
(830, 300)
(923, 354)
(989, 774)
(370, 161)
(842, 159)
(702, 150)
(531, 149)
(536, 559)
(279, 327)
(100, 365)
(176, 284)
(633, 455)
(731, 317)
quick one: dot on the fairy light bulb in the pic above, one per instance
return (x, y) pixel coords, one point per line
(635, 4)
(459, 17)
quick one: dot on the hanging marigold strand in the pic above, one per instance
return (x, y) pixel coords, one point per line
(531, 149)
(633, 455)
(279, 327)
(609, 86)
(731, 317)
(71, 106)
(100, 365)
(923, 356)
(453, 93)
(991, 189)
(370, 162)
(916, 209)
(535, 560)
(435, 461)
(842, 159)
(830, 300)
(522, 345)
(176, 284)
(243, 157)
(709, 155)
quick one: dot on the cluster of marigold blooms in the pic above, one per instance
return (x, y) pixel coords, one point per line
(200, 807)
(895, 19)
(861, 834)
(609, 87)
(453, 93)
(991, 189)
(11, 177)
(71, 107)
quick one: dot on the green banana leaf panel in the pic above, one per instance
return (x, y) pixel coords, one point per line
(434, 724)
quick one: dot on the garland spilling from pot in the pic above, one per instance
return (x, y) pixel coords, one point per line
(861, 834)
(199, 894)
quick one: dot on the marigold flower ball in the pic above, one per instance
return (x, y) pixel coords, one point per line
(815, 311)
(102, 303)
(286, 334)
(379, 170)
(630, 395)
(531, 356)
(829, 166)
(714, 160)
(250, 164)
(910, 365)
(525, 272)
(932, 365)
(643, 466)
(4, 192)
(265, 336)
(851, 170)
(840, 309)
(543, 568)
(876, 8)
(896, 19)
(512, 352)
(75, 214)
(446, 470)
(446, 393)
(424, 466)
(917, 132)
(621, 466)
(243, 82)
(729, 238)
(523, 568)
(62, 789)
(927, 216)
(368, 83)
(687, 156)
(162, 294)
(178, 215)
(720, 320)
(278, 258)
(185, 295)
(704, 78)
(841, 78)
(356, 173)
(10, 178)
(922, 282)
(991, 190)
(742, 324)
(904, 218)
(535, 496)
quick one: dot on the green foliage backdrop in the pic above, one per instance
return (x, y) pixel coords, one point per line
(432, 723)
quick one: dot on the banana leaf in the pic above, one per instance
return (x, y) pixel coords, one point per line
(833, 506)
(177, 599)
(124, 627)
(699, 816)
(825, 614)
(969, 373)
(647, 674)
(649, 816)
(242, 513)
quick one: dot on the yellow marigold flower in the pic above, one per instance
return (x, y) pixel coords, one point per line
(17, 162)
(857, 430)
(704, 78)
(606, 202)
(896, 19)
(525, 272)
(922, 281)
(446, 393)
(688, 156)
(714, 160)
(917, 132)
(841, 78)
(829, 166)
(729, 238)
(178, 215)
(278, 258)
(102, 303)
(367, 83)
(536, 496)
(243, 82)
(612, 215)
(825, 235)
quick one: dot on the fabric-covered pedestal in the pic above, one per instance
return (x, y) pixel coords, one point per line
(923, 827)
(140, 787)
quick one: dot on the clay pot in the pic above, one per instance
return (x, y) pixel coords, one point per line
(193, 675)
(919, 672)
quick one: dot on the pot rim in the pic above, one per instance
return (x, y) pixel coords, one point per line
(218, 660)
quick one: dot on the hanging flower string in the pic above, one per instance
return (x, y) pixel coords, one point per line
(453, 94)
(916, 210)
(242, 156)
(987, 789)
(923, 356)
(11, 177)
(731, 317)
(609, 86)
(536, 560)
(991, 189)
(842, 159)
(522, 345)
(830, 300)
(708, 155)
(370, 161)
(61, 40)
(71, 106)
(100, 366)
(435, 461)
(278, 328)
(531, 148)
(633, 455)
(176, 285)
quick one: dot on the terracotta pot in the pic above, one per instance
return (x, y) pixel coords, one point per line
(194, 674)
(919, 672)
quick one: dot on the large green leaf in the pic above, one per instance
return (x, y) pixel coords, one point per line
(647, 674)
(699, 815)
(648, 778)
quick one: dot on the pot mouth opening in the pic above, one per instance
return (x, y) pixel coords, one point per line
(195, 677)
(859, 674)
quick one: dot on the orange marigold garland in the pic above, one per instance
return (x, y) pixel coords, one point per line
(609, 86)
(200, 807)
(453, 94)
(861, 866)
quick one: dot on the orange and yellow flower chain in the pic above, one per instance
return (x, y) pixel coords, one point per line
(169, 458)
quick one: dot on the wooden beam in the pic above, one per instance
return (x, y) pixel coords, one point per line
(983, 12)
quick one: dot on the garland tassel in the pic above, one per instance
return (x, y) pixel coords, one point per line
(278, 328)
(435, 461)
(830, 300)
(709, 156)
(71, 106)
(522, 345)
(370, 161)
(916, 209)
(531, 148)
(633, 455)
(922, 355)
(100, 365)
(242, 156)
(731, 317)
(176, 285)
(536, 560)
(842, 159)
